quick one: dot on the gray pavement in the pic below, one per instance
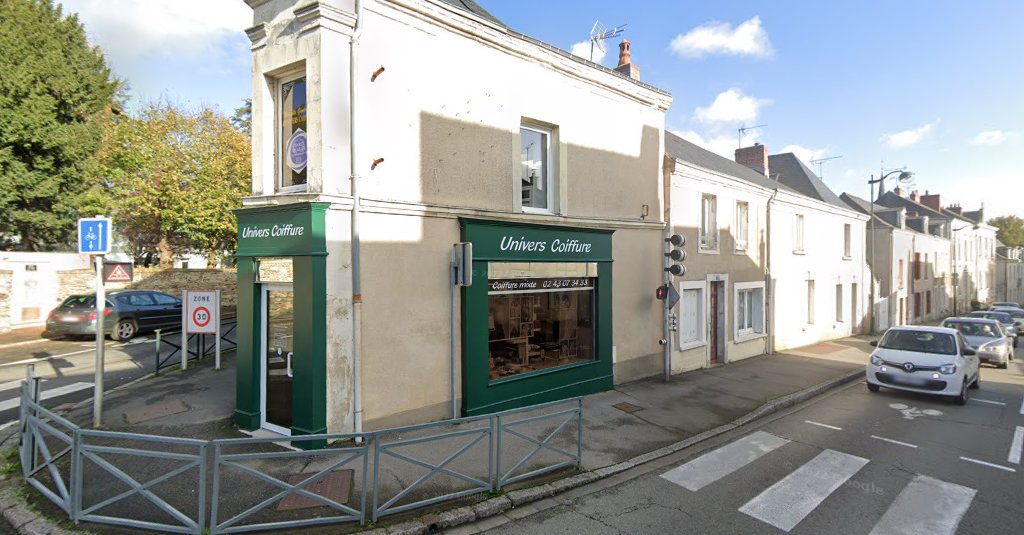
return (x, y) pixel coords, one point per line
(660, 417)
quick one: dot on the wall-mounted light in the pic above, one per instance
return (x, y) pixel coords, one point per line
(376, 73)
(644, 211)
(375, 163)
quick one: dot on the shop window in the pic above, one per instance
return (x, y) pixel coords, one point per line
(691, 315)
(749, 309)
(708, 221)
(537, 179)
(540, 316)
(798, 233)
(742, 225)
(291, 139)
(274, 270)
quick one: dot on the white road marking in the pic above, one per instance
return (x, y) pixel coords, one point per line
(988, 401)
(891, 441)
(1022, 406)
(926, 505)
(788, 501)
(1016, 446)
(719, 463)
(47, 394)
(823, 425)
(8, 424)
(25, 343)
(999, 466)
(10, 385)
(109, 345)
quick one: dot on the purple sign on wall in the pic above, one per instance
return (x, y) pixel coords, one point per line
(297, 151)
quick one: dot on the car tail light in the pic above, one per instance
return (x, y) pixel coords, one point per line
(50, 316)
(106, 312)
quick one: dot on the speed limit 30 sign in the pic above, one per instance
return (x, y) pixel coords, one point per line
(202, 311)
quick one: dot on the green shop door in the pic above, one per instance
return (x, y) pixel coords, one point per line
(278, 354)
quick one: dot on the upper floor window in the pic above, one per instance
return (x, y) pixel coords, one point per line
(900, 273)
(742, 226)
(538, 181)
(798, 233)
(708, 221)
(847, 241)
(291, 143)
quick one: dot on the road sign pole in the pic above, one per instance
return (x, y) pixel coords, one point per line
(217, 335)
(184, 331)
(101, 297)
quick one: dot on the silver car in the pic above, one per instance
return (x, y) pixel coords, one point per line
(987, 337)
(1003, 318)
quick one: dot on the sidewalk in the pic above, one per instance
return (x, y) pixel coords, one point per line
(626, 426)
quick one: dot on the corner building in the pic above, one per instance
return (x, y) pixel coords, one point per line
(386, 131)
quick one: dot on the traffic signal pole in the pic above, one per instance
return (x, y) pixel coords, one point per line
(666, 279)
(101, 299)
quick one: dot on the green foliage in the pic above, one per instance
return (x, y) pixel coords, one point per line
(242, 118)
(174, 176)
(1011, 230)
(55, 93)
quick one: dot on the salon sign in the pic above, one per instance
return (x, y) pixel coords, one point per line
(494, 241)
(285, 230)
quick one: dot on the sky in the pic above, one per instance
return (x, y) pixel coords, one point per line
(931, 85)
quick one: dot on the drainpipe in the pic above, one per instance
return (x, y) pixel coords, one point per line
(357, 296)
(769, 319)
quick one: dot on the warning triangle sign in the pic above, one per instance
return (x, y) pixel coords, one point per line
(119, 274)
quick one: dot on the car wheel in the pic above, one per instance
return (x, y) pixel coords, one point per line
(873, 387)
(124, 330)
(962, 398)
(977, 380)
(1004, 364)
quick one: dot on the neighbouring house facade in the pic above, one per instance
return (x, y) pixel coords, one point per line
(816, 255)
(909, 255)
(721, 207)
(1009, 274)
(31, 285)
(384, 133)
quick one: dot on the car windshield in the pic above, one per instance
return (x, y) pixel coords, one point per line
(919, 341)
(1014, 313)
(79, 301)
(1002, 317)
(970, 328)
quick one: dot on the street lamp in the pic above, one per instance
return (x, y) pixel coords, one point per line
(904, 176)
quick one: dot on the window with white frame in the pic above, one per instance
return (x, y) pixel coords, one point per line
(291, 138)
(847, 241)
(741, 230)
(798, 233)
(839, 303)
(749, 310)
(691, 314)
(810, 301)
(537, 180)
(708, 222)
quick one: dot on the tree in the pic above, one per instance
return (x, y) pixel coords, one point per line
(174, 176)
(55, 93)
(242, 118)
(1011, 230)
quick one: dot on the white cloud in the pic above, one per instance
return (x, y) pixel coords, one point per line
(130, 29)
(993, 137)
(747, 39)
(582, 49)
(806, 154)
(722, 144)
(907, 138)
(730, 106)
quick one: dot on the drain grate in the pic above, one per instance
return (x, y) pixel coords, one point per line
(626, 406)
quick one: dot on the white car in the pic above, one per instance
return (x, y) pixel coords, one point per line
(929, 360)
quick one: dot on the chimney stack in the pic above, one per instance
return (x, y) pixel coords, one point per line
(955, 208)
(914, 196)
(931, 201)
(899, 191)
(755, 157)
(626, 65)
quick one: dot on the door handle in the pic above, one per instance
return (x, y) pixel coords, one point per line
(288, 363)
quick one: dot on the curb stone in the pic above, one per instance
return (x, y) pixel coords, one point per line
(16, 512)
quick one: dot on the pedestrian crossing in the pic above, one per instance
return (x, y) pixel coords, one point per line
(925, 505)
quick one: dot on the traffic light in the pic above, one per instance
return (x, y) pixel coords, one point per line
(661, 292)
(674, 255)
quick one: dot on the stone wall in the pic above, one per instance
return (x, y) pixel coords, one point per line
(173, 281)
(77, 281)
(6, 277)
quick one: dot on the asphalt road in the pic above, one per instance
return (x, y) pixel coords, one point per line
(850, 462)
(67, 368)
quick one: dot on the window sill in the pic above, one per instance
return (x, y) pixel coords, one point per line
(708, 250)
(538, 211)
(798, 252)
(292, 189)
(684, 346)
(746, 337)
(740, 250)
(847, 257)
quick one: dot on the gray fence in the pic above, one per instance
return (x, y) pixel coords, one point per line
(160, 483)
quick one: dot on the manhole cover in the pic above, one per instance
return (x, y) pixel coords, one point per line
(335, 486)
(626, 406)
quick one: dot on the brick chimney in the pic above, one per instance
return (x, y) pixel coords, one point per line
(955, 208)
(914, 196)
(755, 157)
(626, 65)
(931, 201)
(898, 190)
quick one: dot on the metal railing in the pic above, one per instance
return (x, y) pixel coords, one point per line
(95, 476)
(204, 344)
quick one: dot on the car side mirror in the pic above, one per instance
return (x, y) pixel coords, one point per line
(874, 343)
(968, 352)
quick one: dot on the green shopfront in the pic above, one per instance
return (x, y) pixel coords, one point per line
(281, 369)
(537, 319)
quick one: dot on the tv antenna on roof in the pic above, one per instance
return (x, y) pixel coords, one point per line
(599, 33)
(821, 161)
(743, 130)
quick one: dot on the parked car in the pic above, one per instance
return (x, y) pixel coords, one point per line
(929, 360)
(1002, 317)
(126, 313)
(993, 344)
(1010, 304)
(1016, 313)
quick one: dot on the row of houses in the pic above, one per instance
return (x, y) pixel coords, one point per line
(386, 132)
